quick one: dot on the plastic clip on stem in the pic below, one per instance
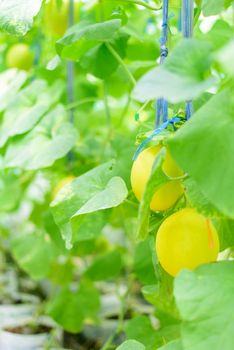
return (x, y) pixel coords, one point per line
(162, 104)
(187, 29)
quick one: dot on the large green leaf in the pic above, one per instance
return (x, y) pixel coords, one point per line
(10, 191)
(174, 345)
(206, 304)
(11, 81)
(219, 35)
(224, 57)
(16, 17)
(81, 37)
(50, 140)
(208, 137)
(225, 229)
(197, 199)
(131, 345)
(71, 307)
(100, 62)
(27, 108)
(96, 190)
(105, 267)
(84, 227)
(161, 296)
(31, 250)
(141, 329)
(184, 76)
(88, 226)
(143, 265)
(111, 196)
(214, 7)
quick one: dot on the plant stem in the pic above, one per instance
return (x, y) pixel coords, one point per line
(107, 109)
(123, 306)
(101, 10)
(70, 67)
(81, 102)
(109, 341)
(125, 111)
(70, 80)
(143, 107)
(196, 18)
(121, 62)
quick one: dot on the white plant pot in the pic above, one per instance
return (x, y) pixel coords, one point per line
(12, 341)
(110, 306)
(10, 313)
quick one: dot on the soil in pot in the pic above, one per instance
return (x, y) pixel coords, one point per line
(28, 329)
(24, 335)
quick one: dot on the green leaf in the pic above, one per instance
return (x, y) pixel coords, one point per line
(143, 266)
(11, 81)
(156, 179)
(83, 36)
(50, 140)
(70, 308)
(52, 229)
(205, 301)
(178, 79)
(225, 229)
(100, 62)
(31, 250)
(131, 345)
(214, 7)
(111, 196)
(16, 17)
(105, 267)
(174, 345)
(220, 34)
(141, 329)
(160, 295)
(224, 57)
(96, 190)
(10, 191)
(27, 108)
(88, 226)
(142, 50)
(61, 272)
(197, 199)
(208, 136)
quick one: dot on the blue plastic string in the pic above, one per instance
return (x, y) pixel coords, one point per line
(155, 133)
(186, 20)
(187, 28)
(162, 104)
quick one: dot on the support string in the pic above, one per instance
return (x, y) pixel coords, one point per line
(162, 104)
(155, 133)
(187, 29)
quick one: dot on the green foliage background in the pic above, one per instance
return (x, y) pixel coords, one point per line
(92, 232)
